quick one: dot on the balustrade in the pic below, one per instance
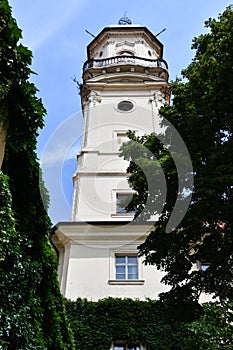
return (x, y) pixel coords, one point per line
(118, 60)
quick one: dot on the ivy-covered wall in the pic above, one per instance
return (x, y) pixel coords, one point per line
(96, 325)
(32, 313)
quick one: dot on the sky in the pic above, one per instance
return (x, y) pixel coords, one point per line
(55, 31)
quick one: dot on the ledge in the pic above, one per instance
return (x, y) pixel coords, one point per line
(123, 215)
(126, 282)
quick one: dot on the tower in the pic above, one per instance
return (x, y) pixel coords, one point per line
(124, 85)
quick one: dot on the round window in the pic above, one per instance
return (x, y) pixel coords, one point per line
(125, 106)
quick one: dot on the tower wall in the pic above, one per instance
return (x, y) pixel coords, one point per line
(124, 85)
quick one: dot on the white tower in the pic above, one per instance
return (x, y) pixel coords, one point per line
(124, 85)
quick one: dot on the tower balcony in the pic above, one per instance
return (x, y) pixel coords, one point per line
(124, 63)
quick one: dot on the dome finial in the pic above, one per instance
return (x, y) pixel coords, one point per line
(124, 20)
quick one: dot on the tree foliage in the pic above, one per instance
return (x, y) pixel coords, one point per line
(202, 113)
(31, 306)
(214, 329)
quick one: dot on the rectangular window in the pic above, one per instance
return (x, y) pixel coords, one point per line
(122, 201)
(122, 139)
(126, 267)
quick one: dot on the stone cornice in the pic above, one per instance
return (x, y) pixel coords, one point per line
(100, 234)
(119, 32)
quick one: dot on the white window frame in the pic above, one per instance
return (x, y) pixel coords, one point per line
(112, 271)
(115, 213)
(119, 137)
(126, 266)
(122, 138)
(126, 194)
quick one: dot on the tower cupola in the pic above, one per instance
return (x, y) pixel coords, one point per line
(125, 50)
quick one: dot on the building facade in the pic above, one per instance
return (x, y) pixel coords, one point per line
(124, 85)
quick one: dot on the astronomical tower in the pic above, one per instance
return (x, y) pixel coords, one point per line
(124, 85)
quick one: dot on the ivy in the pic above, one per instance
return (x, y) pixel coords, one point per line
(96, 325)
(31, 306)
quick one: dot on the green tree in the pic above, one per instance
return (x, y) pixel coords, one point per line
(202, 113)
(214, 329)
(31, 306)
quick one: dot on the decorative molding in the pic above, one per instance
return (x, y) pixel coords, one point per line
(110, 42)
(158, 98)
(94, 98)
(126, 43)
(140, 42)
(142, 36)
(126, 282)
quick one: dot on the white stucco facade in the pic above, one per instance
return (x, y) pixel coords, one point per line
(87, 261)
(124, 85)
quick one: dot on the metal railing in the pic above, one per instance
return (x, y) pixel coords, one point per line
(119, 60)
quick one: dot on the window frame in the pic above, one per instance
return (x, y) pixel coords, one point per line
(125, 106)
(126, 216)
(126, 345)
(122, 210)
(122, 138)
(126, 265)
(127, 100)
(112, 272)
(119, 138)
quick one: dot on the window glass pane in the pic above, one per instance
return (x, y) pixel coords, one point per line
(133, 277)
(121, 210)
(126, 267)
(123, 200)
(120, 259)
(132, 259)
(119, 347)
(120, 276)
(125, 106)
(132, 270)
(120, 269)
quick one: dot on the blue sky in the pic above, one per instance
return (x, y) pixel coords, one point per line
(55, 32)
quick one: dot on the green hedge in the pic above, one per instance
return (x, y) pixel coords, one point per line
(96, 325)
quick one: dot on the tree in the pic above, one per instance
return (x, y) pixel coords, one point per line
(31, 306)
(202, 113)
(214, 328)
